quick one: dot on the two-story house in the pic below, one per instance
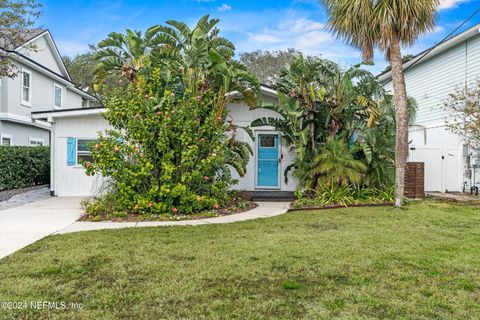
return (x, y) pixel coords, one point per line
(431, 76)
(42, 83)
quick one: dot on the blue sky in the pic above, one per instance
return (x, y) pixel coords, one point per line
(250, 24)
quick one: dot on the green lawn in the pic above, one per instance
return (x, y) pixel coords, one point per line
(422, 262)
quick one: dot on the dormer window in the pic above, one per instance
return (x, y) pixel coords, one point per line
(26, 87)
(58, 96)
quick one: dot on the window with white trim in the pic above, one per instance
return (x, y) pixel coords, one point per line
(26, 87)
(6, 140)
(83, 150)
(34, 142)
(57, 96)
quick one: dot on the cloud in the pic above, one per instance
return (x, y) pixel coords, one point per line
(449, 4)
(71, 48)
(224, 7)
(303, 34)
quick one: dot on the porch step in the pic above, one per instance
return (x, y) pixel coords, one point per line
(273, 196)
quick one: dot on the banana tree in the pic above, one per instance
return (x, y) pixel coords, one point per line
(300, 80)
(124, 54)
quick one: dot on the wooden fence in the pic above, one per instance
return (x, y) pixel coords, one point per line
(415, 180)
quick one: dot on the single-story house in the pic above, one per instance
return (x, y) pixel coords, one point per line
(73, 129)
(430, 78)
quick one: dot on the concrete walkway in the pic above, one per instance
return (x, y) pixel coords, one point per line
(31, 222)
(264, 210)
(23, 225)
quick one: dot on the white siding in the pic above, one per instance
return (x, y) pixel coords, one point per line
(431, 82)
(72, 180)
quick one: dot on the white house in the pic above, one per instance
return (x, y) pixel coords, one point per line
(42, 83)
(73, 129)
(430, 78)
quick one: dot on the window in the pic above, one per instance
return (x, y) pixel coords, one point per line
(57, 95)
(34, 142)
(83, 150)
(26, 88)
(6, 140)
(267, 141)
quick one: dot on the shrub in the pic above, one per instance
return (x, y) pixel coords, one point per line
(166, 152)
(344, 195)
(24, 166)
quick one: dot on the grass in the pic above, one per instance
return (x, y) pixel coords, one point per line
(422, 262)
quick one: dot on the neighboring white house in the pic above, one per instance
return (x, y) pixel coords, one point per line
(42, 83)
(73, 129)
(430, 79)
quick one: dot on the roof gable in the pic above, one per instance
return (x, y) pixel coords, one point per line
(434, 51)
(42, 49)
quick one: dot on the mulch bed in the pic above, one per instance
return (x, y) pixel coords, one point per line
(170, 217)
(7, 194)
(339, 206)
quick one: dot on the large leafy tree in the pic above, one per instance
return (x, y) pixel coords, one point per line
(168, 150)
(464, 107)
(15, 18)
(267, 65)
(387, 25)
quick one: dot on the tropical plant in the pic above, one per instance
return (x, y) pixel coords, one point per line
(387, 25)
(124, 54)
(343, 102)
(291, 123)
(332, 165)
(376, 145)
(301, 80)
(205, 58)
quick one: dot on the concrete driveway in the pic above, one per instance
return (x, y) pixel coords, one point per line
(23, 225)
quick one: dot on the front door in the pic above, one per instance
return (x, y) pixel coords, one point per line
(267, 157)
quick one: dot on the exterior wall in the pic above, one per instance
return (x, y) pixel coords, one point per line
(72, 180)
(242, 116)
(431, 82)
(21, 133)
(42, 94)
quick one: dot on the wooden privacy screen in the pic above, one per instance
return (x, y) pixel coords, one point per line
(415, 180)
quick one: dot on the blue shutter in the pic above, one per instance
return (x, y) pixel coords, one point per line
(71, 151)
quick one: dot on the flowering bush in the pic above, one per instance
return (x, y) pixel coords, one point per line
(166, 151)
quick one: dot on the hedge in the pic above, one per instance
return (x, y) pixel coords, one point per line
(24, 166)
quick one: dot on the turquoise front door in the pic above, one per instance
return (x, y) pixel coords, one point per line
(267, 157)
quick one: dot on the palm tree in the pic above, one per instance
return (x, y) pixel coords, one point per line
(333, 166)
(386, 25)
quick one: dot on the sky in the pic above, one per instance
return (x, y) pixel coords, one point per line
(249, 24)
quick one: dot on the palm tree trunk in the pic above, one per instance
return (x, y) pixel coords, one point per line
(401, 116)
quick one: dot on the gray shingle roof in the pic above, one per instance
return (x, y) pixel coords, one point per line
(12, 38)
